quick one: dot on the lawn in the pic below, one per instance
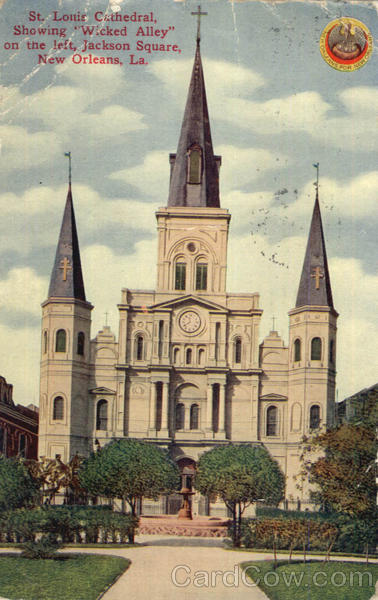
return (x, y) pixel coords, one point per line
(67, 577)
(314, 580)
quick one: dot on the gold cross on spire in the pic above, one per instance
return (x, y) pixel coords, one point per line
(317, 275)
(65, 266)
(199, 15)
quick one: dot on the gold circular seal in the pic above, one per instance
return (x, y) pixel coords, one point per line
(346, 44)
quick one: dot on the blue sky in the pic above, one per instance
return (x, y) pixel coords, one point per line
(275, 107)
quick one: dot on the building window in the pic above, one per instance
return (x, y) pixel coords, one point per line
(201, 276)
(272, 421)
(316, 348)
(201, 356)
(195, 165)
(58, 409)
(159, 405)
(80, 343)
(45, 342)
(215, 423)
(102, 415)
(176, 355)
(189, 356)
(180, 416)
(238, 350)
(160, 339)
(331, 351)
(180, 276)
(60, 342)
(314, 416)
(139, 347)
(297, 350)
(22, 445)
(194, 416)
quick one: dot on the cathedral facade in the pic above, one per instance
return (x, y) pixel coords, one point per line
(187, 370)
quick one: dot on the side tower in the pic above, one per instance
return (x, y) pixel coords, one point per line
(66, 322)
(312, 343)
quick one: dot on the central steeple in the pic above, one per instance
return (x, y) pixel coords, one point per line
(194, 168)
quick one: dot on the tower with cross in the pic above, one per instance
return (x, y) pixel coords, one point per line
(65, 348)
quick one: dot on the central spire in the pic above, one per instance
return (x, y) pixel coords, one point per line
(195, 169)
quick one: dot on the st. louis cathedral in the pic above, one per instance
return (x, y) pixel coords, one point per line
(188, 370)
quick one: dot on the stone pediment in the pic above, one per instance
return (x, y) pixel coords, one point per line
(102, 391)
(192, 301)
(275, 397)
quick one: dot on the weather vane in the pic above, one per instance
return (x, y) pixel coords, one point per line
(316, 184)
(68, 154)
(199, 15)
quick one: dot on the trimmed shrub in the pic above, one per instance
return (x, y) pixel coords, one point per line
(45, 547)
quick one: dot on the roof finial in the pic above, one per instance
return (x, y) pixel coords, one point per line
(316, 184)
(69, 167)
(199, 15)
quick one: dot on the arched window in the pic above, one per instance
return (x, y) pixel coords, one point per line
(102, 415)
(194, 416)
(45, 342)
(180, 276)
(176, 355)
(22, 445)
(237, 350)
(194, 164)
(2, 440)
(314, 416)
(331, 351)
(159, 405)
(189, 356)
(215, 412)
(272, 421)
(139, 347)
(297, 350)
(217, 340)
(180, 416)
(80, 343)
(201, 276)
(58, 409)
(201, 356)
(160, 339)
(316, 348)
(61, 340)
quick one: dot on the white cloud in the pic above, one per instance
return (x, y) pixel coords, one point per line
(21, 149)
(151, 177)
(22, 291)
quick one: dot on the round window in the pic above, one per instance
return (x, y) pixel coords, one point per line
(191, 247)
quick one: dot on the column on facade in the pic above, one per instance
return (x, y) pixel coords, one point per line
(209, 407)
(153, 406)
(222, 406)
(165, 404)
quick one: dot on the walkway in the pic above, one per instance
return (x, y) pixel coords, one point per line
(155, 567)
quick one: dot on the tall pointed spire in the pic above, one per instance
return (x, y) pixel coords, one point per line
(66, 277)
(315, 283)
(195, 172)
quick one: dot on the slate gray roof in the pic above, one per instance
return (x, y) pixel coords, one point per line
(315, 284)
(195, 129)
(66, 277)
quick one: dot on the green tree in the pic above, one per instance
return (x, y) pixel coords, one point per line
(130, 470)
(17, 487)
(240, 475)
(340, 462)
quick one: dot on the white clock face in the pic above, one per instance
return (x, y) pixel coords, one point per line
(190, 321)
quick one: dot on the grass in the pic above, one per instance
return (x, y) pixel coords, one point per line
(67, 577)
(314, 580)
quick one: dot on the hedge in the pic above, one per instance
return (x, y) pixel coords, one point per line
(79, 524)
